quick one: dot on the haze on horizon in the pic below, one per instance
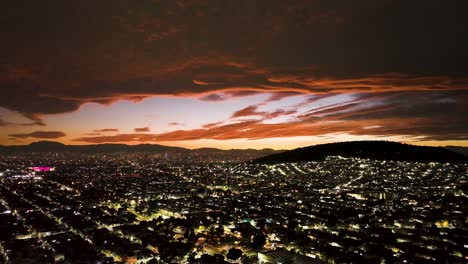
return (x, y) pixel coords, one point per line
(234, 74)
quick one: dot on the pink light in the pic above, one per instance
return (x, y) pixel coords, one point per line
(42, 168)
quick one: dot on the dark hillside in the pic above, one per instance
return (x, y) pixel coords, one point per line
(381, 150)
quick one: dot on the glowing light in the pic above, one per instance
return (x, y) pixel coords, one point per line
(43, 168)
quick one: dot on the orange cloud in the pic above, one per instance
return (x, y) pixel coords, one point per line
(272, 47)
(142, 129)
(248, 111)
(252, 111)
(39, 134)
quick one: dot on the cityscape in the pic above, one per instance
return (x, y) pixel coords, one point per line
(233, 132)
(142, 208)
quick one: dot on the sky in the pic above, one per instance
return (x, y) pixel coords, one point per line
(234, 74)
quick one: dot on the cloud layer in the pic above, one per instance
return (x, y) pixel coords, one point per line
(39, 134)
(106, 130)
(397, 55)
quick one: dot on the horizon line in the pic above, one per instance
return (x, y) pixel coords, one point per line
(251, 148)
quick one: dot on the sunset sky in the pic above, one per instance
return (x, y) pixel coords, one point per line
(234, 74)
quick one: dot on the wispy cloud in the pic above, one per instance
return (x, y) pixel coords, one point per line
(272, 48)
(175, 124)
(106, 130)
(39, 134)
(279, 48)
(396, 115)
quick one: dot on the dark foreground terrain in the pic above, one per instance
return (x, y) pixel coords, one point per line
(144, 208)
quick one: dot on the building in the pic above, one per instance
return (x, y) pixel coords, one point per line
(285, 257)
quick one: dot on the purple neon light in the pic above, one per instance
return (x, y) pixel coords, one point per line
(41, 168)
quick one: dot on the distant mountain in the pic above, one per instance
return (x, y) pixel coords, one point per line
(51, 146)
(263, 152)
(461, 150)
(381, 150)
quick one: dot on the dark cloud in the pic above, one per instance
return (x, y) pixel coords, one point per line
(248, 111)
(230, 93)
(242, 92)
(142, 129)
(213, 97)
(118, 138)
(199, 82)
(106, 130)
(26, 97)
(253, 111)
(418, 115)
(39, 134)
(281, 95)
(213, 124)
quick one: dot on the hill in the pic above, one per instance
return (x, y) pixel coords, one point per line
(381, 150)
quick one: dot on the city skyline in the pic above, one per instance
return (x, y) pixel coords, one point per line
(234, 75)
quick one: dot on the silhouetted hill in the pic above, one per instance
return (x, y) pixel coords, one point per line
(461, 150)
(381, 150)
